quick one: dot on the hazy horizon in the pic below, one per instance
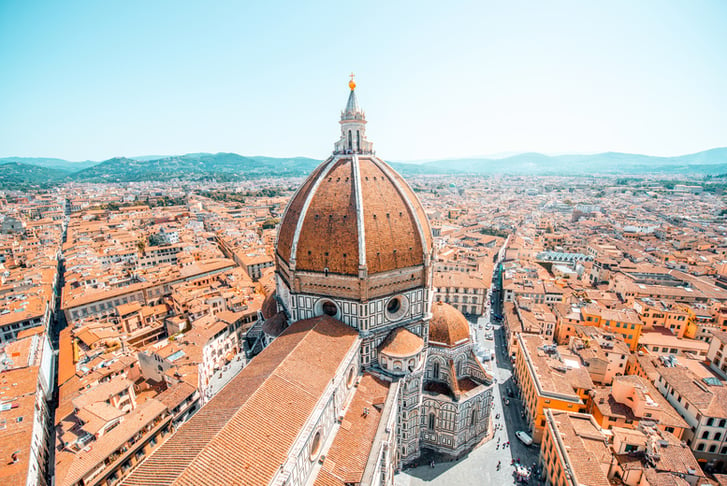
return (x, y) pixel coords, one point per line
(496, 156)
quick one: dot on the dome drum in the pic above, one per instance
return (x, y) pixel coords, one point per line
(349, 287)
(401, 352)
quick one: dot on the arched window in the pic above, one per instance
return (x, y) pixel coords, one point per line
(432, 420)
(351, 377)
(435, 371)
(349, 140)
(474, 417)
(358, 141)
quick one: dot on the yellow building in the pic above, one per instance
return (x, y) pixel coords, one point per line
(548, 381)
(623, 321)
(678, 318)
(574, 450)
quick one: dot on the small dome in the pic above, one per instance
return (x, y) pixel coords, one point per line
(448, 326)
(401, 343)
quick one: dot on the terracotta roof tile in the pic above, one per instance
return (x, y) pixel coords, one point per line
(329, 236)
(346, 459)
(292, 214)
(392, 237)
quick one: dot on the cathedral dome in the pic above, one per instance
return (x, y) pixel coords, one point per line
(448, 326)
(354, 213)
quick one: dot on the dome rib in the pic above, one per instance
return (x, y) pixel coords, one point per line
(392, 238)
(286, 232)
(359, 212)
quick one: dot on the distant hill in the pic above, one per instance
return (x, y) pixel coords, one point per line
(222, 166)
(708, 162)
(50, 162)
(230, 167)
(14, 175)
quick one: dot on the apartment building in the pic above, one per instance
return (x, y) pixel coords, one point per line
(701, 400)
(546, 380)
(621, 321)
(632, 400)
(574, 450)
(465, 292)
(604, 354)
(27, 380)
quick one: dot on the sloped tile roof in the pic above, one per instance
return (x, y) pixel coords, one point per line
(245, 432)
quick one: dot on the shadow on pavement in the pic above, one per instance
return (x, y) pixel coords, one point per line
(422, 469)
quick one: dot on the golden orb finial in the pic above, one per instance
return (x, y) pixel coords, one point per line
(352, 84)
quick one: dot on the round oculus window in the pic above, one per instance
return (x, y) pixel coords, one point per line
(315, 447)
(396, 307)
(329, 308)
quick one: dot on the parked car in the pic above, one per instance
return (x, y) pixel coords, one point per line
(524, 437)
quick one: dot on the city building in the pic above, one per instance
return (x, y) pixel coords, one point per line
(574, 450)
(631, 401)
(548, 381)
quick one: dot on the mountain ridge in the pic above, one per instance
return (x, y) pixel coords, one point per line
(226, 166)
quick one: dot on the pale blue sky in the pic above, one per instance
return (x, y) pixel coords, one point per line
(97, 79)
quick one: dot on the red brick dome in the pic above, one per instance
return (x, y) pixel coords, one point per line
(353, 213)
(448, 326)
